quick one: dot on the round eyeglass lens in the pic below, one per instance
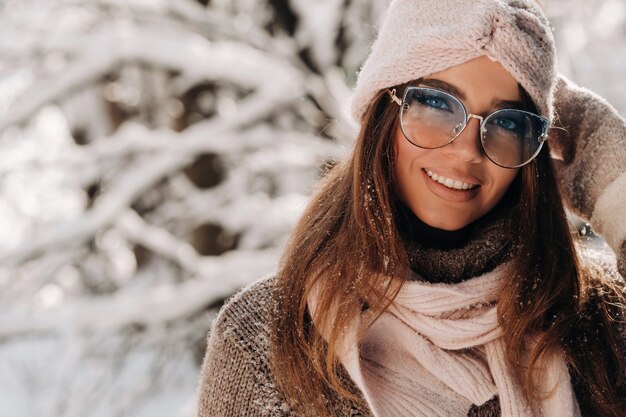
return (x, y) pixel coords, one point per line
(512, 138)
(430, 118)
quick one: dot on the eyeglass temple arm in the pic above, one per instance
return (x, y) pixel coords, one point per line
(393, 97)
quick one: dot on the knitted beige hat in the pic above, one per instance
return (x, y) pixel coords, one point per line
(420, 37)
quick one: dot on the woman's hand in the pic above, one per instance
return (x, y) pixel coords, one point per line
(588, 144)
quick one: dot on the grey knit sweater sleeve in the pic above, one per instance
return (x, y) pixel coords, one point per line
(589, 146)
(235, 379)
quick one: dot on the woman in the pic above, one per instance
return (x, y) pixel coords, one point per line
(433, 273)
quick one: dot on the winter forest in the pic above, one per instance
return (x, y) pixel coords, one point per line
(154, 155)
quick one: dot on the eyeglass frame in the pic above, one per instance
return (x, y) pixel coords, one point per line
(468, 116)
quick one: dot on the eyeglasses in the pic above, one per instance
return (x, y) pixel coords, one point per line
(431, 119)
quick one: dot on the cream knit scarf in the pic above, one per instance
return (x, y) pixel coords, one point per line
(438, 349)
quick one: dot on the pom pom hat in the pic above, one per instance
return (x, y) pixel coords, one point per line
(420, 37)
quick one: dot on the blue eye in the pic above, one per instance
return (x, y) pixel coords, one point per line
(434, 102)
(507, 124)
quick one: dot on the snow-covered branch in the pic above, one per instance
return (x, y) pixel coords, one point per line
(220, 277)
(193, 56)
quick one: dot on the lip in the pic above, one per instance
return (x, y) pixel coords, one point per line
(449, 194)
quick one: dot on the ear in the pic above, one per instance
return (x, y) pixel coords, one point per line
(588, 143)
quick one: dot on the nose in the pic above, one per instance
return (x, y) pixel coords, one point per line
(466, 146)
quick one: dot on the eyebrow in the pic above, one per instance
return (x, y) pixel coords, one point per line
(455, 91)
(444, 86)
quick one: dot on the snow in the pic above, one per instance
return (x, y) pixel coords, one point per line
(32, 368)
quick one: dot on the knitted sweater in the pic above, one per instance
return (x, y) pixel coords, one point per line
(236, 379)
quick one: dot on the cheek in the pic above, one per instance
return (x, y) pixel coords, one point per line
(404, 157)
(502, 180)
(407, 182)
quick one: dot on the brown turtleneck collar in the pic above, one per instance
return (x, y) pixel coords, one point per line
(438, 255)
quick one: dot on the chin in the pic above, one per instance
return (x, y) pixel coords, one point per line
(446, 223)
(445, 218)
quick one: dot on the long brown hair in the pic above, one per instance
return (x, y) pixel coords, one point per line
(348, 246)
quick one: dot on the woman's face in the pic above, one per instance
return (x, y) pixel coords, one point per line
(483, 86)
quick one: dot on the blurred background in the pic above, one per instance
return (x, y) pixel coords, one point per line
(154, 155)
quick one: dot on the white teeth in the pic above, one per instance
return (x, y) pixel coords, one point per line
(450, 183)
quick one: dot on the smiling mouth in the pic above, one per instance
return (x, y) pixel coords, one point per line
(449, 182)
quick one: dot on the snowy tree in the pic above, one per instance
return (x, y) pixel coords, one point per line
(153, 159)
